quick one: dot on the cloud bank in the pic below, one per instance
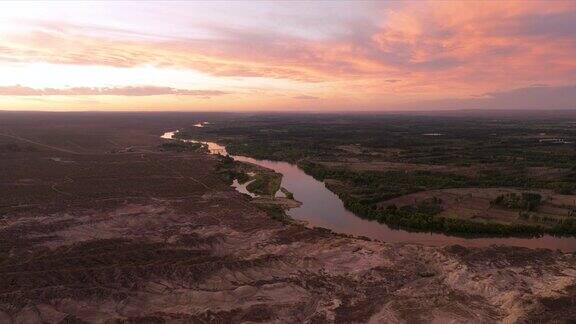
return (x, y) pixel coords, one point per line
(361, 54)
(18, 90)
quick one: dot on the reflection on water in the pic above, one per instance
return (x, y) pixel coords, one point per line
(321, 207)
(201, 124)
(213, 148)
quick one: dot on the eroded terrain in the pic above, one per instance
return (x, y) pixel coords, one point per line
(99, 225)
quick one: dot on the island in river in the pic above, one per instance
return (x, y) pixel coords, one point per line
(101, 222)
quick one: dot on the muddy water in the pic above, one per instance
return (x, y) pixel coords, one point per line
(321, 207)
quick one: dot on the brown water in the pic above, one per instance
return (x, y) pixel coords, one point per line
(321, 207)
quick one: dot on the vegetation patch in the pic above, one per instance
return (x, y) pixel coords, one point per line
(262, 181)
(265, 183)
(287, 193)
(179, 146)
(228, 170)
(275, 212)
(526, 201)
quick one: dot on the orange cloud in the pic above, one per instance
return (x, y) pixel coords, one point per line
(306, 97)
(18, 90)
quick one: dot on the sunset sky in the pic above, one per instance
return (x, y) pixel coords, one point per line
(287, 55)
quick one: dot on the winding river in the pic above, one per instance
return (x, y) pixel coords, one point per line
(321, 207)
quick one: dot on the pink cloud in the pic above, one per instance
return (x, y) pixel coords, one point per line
(18, 90)
(306, 97)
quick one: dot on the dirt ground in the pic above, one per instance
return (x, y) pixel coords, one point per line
(474, 204)
(143, 236)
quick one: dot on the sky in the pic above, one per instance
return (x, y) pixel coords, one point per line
(287, 55)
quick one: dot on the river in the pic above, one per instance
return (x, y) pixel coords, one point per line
(321, 207)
